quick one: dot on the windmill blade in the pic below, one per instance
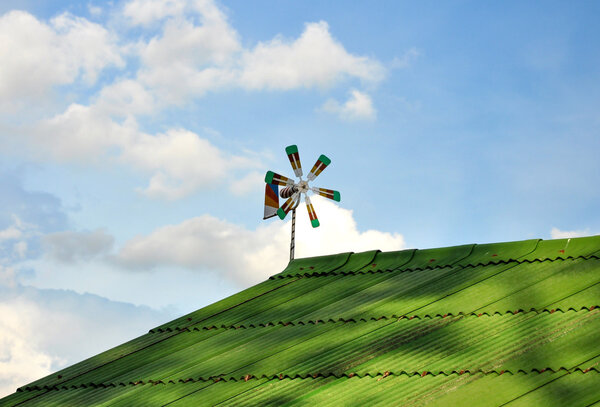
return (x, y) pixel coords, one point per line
(294, 157)
(274, 178)
(287, 206)
(314, 221)
(327, 193)
(319, 166)
(271, 200)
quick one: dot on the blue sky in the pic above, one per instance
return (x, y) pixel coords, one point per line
(134, 138)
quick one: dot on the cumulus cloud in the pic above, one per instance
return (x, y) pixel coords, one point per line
(70, 246)
(195, 50)
(36, 56)
(359, 106)
(189, 58)
(251, 182)
(44, 330)
(566, 234)
(248, 256)
(314, 59)
(14, 238)
(143, 12)
(192, 56)
(177, 161)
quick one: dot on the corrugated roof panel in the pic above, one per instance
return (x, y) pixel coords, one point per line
(314, 265)
(491, 253)
(588, 298)
(402, 293)
(492, 389)
(573, 277)
(385, 261)
(518, 285)
(357, 261)
(421, 326)
(325, 290)
(252, 293)
(78, 369)
(575, 389)
(565, 248)
(436, 345)
(442, 257)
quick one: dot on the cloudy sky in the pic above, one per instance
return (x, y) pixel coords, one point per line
(135, 135)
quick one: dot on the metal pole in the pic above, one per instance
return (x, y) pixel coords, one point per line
(292, 244)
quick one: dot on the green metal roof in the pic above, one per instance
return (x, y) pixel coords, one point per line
(509, 323)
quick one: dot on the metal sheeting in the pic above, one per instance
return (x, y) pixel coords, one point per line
(547, 388)
(415, 326)
(526, 341)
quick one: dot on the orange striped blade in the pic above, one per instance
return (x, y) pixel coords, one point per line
(319, 166)
(314, 221)
(287, 206)
(294, 157)
(277, 179)
(327, 193)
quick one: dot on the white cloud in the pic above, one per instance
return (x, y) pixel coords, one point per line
(195, 51)
(124, 98)
(21, 361)
(178, 161)
(81, 134)
(314, 59)
(94, 10)
(252, 182)
(44, 330)
(144, 12)
(36, 56)
(16, 236)
(181, 162)
(359, 106)
(189, 58)
(248, 256)
(72, 246)
(8, 278)
(566, 234)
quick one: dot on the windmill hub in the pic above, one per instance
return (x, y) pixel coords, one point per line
(303, 186)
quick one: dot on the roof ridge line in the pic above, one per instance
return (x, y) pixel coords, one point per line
(379, 318)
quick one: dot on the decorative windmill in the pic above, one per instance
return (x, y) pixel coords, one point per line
(293, 191)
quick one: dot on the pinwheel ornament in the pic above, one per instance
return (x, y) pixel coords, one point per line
(293, 191)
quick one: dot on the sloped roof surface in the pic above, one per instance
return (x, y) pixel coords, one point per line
(509, 323)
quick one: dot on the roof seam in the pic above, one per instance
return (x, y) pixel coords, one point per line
(281, 376)
(379, 318)
(400, 270)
